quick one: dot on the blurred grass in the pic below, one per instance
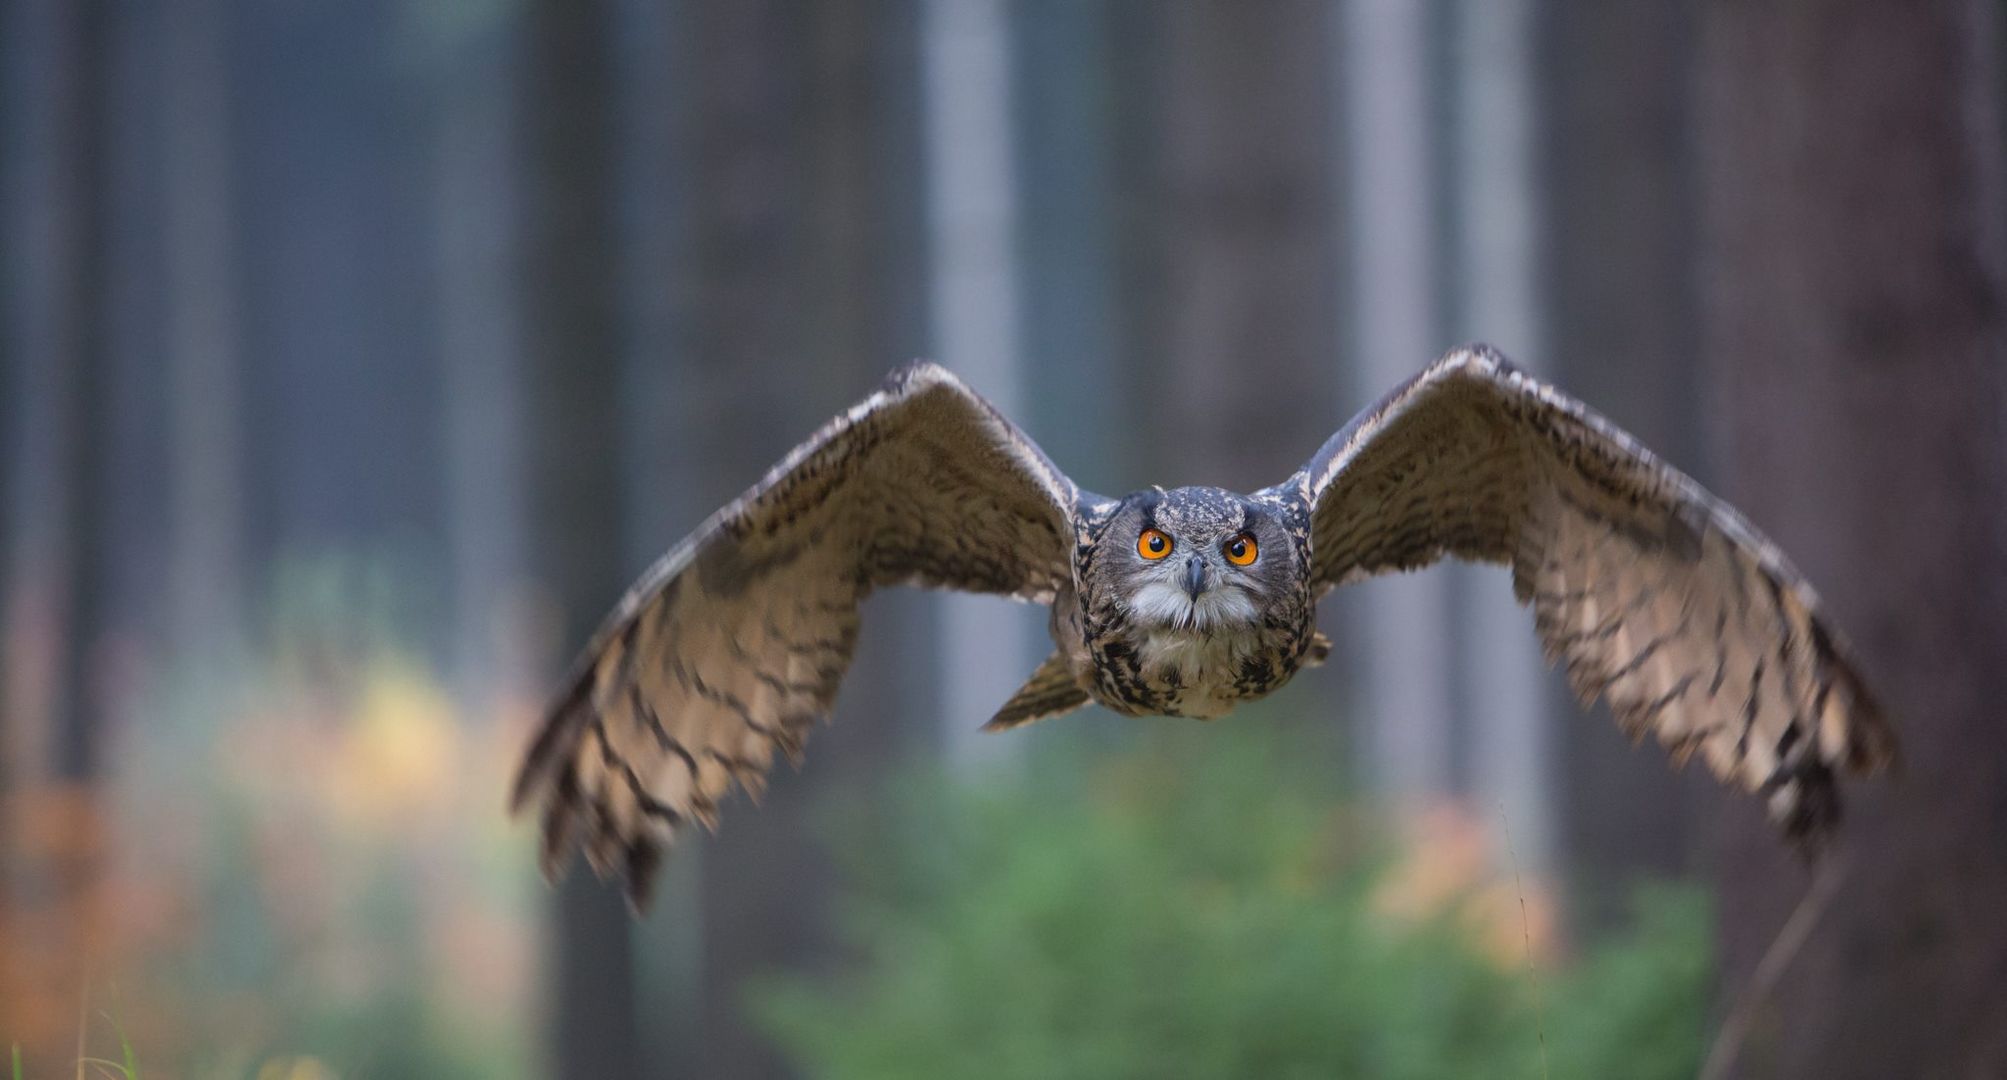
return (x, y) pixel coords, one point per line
(1204, 907)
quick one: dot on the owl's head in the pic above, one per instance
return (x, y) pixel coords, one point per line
(1197, 558)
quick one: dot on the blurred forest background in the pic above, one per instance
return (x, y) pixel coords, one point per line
(354, 356)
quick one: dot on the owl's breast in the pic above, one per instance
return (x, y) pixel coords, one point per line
(1203, 674)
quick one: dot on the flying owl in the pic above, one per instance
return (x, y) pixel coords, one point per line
(1656, 596)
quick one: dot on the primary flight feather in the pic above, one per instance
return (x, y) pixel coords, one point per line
(1655, 595)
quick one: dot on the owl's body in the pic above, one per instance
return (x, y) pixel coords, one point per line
(1654, 595)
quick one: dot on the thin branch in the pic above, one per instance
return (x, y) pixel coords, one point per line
(1526, 933)
(1763, 981)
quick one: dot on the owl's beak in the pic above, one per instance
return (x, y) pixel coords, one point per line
(1195, 577)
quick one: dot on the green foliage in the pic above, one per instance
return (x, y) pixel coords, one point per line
(1199, 909)
(1637, 1005)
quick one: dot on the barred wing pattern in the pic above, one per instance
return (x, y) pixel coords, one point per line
(1654, 594)
(734, 643)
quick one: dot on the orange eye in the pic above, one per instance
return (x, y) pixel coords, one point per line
(1240, 550)
(1153, 544)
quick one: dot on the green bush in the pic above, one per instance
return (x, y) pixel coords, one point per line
(1197, 908)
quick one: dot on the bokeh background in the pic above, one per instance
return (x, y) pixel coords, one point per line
(354, 356)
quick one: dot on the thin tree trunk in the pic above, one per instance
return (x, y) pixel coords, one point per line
(1505, 703)
(31, 190)
(573, 357)
(13, 371)
(205, 528)
(972, 200)
(1399, 625)
(1853, 262)
(480, 350)
(70, 347)
(80, 350)
(1065, 86)
(1620, 204)
(82, 696)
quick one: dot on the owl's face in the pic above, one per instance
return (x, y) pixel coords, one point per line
(1197, 559)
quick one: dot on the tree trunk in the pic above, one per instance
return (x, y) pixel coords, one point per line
(749, 376)
(1504, 701)
(1231, 337)
(57, 598)
(1241, 378)
(1619, 202)
(480, 351)
(205, 524)
(574, 406)
(1064, 85)
(968, 101)
(1398, 626)
(1852, 257)
(804, 211)
(82, 696)
(83, 277)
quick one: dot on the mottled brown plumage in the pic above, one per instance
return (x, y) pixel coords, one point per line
(1655, 595)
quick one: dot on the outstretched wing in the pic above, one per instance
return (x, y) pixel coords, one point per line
(734, 643)
(1657, 596)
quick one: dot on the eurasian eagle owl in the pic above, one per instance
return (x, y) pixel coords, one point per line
(1655, 595)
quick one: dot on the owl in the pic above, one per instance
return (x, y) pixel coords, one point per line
(1654, 596)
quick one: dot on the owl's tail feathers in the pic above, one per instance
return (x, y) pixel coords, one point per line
(1050, 691)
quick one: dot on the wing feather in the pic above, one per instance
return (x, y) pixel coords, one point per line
(1652, 594)
(733, 645)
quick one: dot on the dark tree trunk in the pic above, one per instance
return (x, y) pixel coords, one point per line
(1242, 374)
(747, 403)
(80, 350)
(55, 286)
(803, 205)
(1852, 260)
(573, 409)
(1619, 277)
(13, 366)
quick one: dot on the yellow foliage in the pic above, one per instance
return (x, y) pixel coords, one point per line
(396, 762)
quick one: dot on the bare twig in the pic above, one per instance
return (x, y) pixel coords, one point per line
(1526, 933)
(1826, 881)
